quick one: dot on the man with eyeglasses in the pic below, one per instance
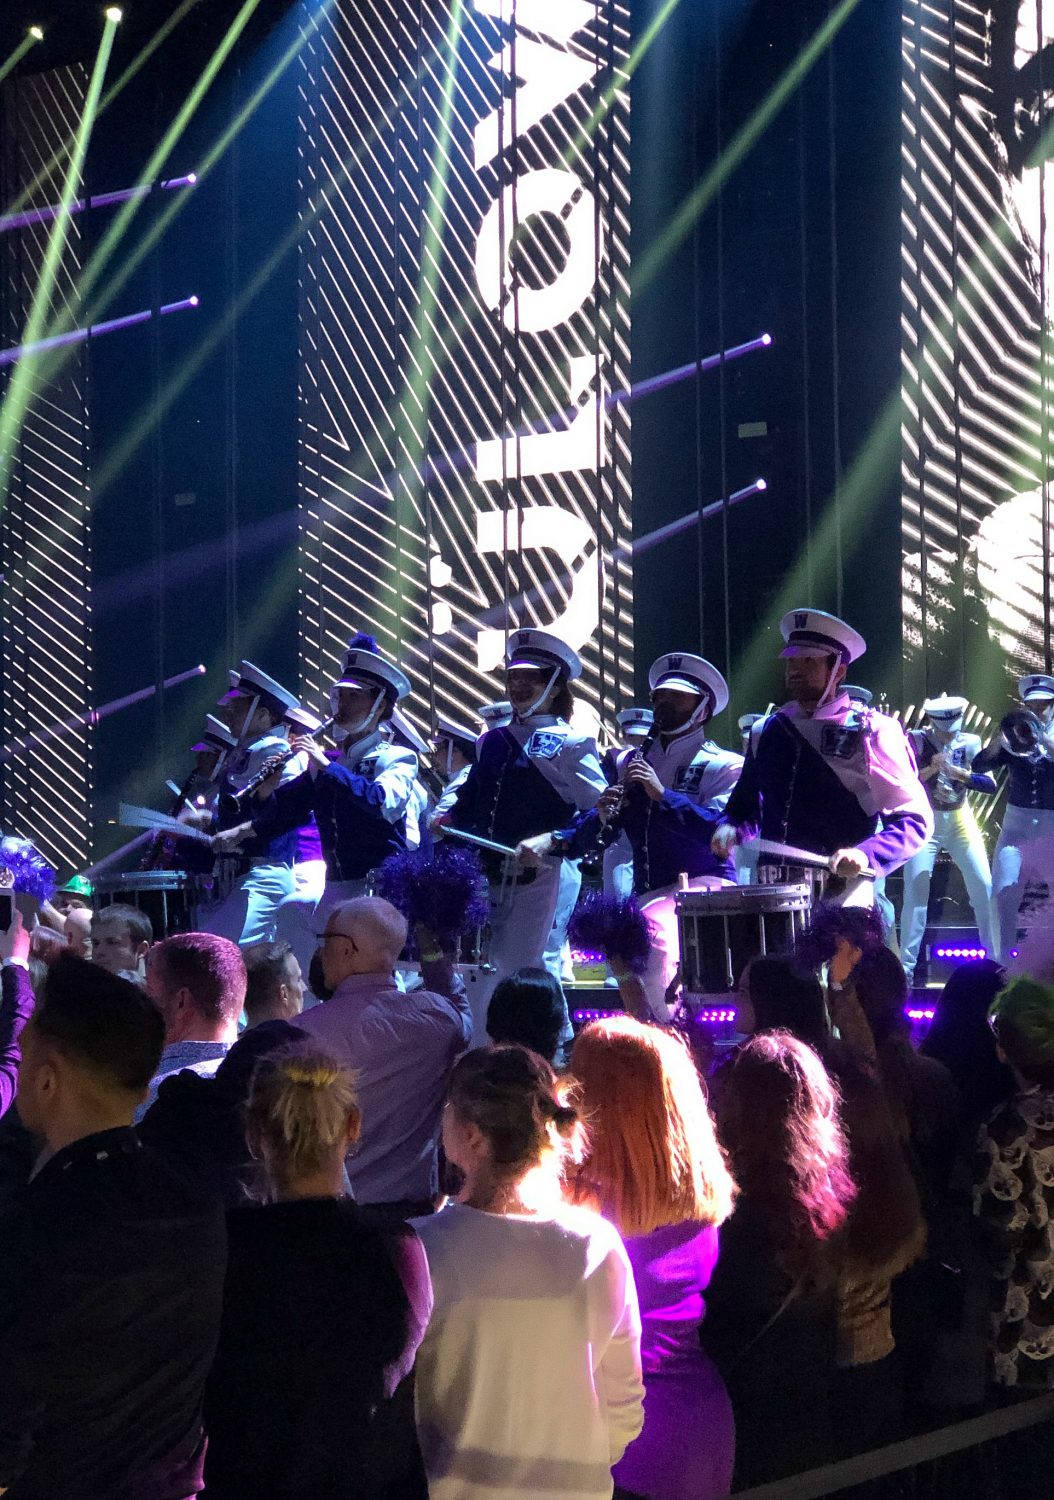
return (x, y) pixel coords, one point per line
(402, 1048)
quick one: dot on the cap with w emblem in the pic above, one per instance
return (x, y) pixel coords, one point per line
(689, 674)
(813, 632)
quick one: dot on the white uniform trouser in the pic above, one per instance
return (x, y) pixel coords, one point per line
(1021, 826)
(249, 914)
(521, 918)
(309, 879)
(556, 957)
(618, 869)
(660, 909)
(302, 916)
(956, 830)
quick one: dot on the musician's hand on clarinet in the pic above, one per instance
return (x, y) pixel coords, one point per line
(196, 817)
(304, 744)
(609, 803)
(229, 840)
(531, 852)
(849, 862)
(724, 840)
(639, 773)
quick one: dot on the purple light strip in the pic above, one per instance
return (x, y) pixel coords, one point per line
(97, 200)
(685, 523)
(960, 952)
(17, 747)
(79, 335)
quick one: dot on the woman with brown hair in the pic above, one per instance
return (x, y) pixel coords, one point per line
(322, 1312)
(654, 1168)
(528, 1379)
(771, 1311)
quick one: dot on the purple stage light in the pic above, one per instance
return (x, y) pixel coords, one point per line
(967, 953)
(79, 335)
(685, 523)
(94, 715)
(97, 200)
(685, 372)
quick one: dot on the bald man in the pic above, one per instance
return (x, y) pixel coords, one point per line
(402, 1048)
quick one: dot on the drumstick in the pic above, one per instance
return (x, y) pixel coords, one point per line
(807, 857)
(474, 838)
(147, 817)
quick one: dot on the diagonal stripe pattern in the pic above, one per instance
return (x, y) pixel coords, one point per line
(466, 280)
(45, 533)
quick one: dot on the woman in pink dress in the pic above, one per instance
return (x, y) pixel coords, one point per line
(655, 1169)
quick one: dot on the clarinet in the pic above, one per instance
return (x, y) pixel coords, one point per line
(161, 849)
(272, 764)
(593, 859)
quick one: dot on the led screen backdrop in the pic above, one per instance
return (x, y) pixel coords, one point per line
(976, 298)
(465, 315)
(45, 532)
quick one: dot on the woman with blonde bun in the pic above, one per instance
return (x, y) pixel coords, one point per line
(322, 1314)
(654, 1168)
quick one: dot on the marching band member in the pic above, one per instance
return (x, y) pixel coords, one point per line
(495, 715)
(945, 757)
(454, 753)
(401, 732)
(254, 710)
(861, 698)
(309, 863)
(669, 803)
(1029, 814)
(359, 799)
(745, 855)
(824, 774)
(529, 776)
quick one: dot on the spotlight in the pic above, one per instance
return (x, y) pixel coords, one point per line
(113, 13)
(37, 33)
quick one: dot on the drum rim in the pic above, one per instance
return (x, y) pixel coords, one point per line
(143, 880)
(741, 898)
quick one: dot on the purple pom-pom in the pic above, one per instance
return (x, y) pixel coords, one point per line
(31, 874)
(443, 890)
(360, 641)
(615, 927)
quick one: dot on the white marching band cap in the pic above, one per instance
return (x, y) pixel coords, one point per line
(635, 720)
(747, 721)
(1035, 685)
(250, 682)
(215, 736)
(542, 651)
(945, 711)
(365, 667)
(406, 731)
(813, 632)
(495, 715)
(689, 674)
(303, 720)
(448, 729)
(858, 694)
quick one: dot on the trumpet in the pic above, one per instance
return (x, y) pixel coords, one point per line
(1024, 735)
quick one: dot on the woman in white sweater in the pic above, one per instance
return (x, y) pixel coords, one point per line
(529, 1376)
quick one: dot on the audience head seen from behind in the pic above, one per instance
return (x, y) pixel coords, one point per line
(88, 1054)
(776, 994)
(961, 1038)
(528, 1010)
(120, 938)
(197, 981)
(77, 931)
(301, 1119)
(1022, 1019)
(780, 1124)
(652, 1157)
(275, 985)
(882, 989)
(509, 1130)
(364, 936)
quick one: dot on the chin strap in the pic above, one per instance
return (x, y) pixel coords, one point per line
(449, 772)
(546, 690)
(345, 731)
(826, 694)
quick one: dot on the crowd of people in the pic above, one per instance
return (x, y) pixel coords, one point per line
(257, 1250)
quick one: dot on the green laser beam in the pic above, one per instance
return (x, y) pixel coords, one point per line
(23, 379)
(700, 198)
(61, 153)
(17, 55)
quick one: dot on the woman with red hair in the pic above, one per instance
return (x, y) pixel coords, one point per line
(654, 1168)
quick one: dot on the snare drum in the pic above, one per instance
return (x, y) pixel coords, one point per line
(168, 897)
(720, 931)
